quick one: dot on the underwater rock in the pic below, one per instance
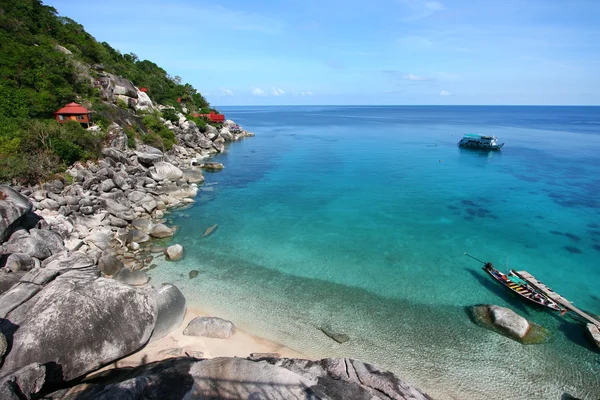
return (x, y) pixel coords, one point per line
(211, 327)
(508, 323)
(174, 252)
(193, 274)
(210, 230)
(338, 337)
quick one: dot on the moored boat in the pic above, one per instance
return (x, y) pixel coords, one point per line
(522, 288)
(478, 141)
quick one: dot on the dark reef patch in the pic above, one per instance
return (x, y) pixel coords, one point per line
(572, 250)
(596, 247)
(556, 233)
(574, 238)
(451, 207)
(469, 203)
(539, 216)
(593, 225)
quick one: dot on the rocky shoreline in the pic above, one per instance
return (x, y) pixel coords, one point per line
(74, 292)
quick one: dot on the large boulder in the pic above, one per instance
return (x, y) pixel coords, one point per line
(20, 262)
(112, 86)
(238, 378)
(79, 326)
(53, 240)
(508, 323)
(144, 102)
(171, 306)
(161, 231)
(174, 252)
(118, 210)
(163, 170)
(13, 207)
(133, 278)
(29, 245)
(211, 327)
(109, 264)
(116, 155)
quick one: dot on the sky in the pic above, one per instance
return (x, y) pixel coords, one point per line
(397, 52)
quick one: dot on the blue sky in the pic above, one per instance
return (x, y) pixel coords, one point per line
(368, 52)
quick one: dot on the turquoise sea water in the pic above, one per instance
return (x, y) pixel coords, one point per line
(357, 218)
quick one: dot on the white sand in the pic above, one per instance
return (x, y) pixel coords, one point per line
(240, 344)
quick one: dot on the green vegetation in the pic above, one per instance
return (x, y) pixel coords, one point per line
(38, 76)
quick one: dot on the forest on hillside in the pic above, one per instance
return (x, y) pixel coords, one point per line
(36, 79)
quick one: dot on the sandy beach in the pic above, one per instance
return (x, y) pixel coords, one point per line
(175, 344)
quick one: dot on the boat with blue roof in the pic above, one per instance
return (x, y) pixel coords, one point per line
(478, 141)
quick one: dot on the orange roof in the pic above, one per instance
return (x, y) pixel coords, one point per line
(72, 108)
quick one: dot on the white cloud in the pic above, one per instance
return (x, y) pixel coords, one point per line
(444, 93)
(258, 92)
(306, 93)
(277, 92)
(416, 78)
(226, 92)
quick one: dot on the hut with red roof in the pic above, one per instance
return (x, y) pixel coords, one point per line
(73, 112)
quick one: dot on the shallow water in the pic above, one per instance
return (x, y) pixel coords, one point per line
(357, 218)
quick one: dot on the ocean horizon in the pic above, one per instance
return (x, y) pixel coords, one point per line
(355, 220)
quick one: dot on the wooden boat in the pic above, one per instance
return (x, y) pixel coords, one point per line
(522, 288)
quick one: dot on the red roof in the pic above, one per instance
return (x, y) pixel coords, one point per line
(73, 108)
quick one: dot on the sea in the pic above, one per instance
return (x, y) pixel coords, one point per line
(356, 220)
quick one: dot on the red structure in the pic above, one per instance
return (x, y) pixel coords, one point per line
(212, 117)
(73, 112)
(144, 90)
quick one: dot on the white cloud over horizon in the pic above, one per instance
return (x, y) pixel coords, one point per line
(444, 93)
(258, 92)
(277, 91)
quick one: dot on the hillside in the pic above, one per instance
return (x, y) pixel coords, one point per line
(47, 61)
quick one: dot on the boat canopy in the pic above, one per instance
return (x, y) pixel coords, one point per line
(477, 136)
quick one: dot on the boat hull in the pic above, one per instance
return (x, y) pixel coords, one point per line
(523, 290)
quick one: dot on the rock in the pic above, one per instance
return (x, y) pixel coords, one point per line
(73, 261)
(80, 327)
(163, 170)
(238, 378)
(144, 102)
(120, 140)
(20, 262)
(117, 209)
(594, 333)
(161, 231)
(121, 181)
(109, 264)
(28, 245)
(174, 252)
(51, 239)
(171, 306)
(136, 196)
(15, 297)
(338, 337)
(192, 175)
(209, 231)
(214, 166)
(25, 383)
(116, 155)
(262, 356)
(193, 273)
(13, 207)
(107, 185)
(113, 86)
(211, 327)
(55, 186)
(49, 204)
(133, 278)
(149, 206)
(137, 236)
(149, 158)
(118, 222)
(508, 323)
(100, 237)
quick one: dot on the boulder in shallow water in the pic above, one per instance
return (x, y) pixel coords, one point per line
(13, 207)
(161, 231)
(508, 323)
(174, 252)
